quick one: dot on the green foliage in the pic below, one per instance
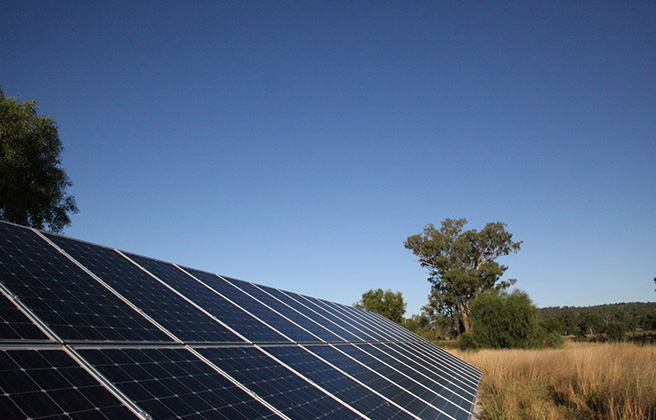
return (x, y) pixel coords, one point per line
(616, 331)
(425, 327)
(594, 322)
(468, 342)
(505, 320)
(32, 183)
(386, 303)
(461, 264)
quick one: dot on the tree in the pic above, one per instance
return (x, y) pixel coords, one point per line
(504, 320)
(386, 303)
(461, 264)
(32, 182)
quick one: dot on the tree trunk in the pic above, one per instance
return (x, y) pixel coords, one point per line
(465, 317)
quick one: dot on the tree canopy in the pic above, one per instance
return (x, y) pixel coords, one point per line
(32, 182)
(461, 264)
(386, 303)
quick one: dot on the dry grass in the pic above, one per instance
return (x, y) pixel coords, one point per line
(580, 381)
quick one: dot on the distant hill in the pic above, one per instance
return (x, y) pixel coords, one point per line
(639, 307)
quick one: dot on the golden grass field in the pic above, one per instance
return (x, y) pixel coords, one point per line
(580, 381)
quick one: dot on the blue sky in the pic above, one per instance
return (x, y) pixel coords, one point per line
(298, 144)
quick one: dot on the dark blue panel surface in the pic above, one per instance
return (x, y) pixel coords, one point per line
(245, 324)
(276, 384)
(356, 318)
(469, 372)
(401, 378)
(72, 303)
(376, 378)
(446, 400)
(175, 384)
(254, 307)
(284, 309)
(314, 304)
(49, 384)
(435, 371)
(167, 308)
(340, 385)
(14, 325)
(297, 302)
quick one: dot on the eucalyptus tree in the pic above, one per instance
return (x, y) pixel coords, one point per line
(32, 182)
(461, 264)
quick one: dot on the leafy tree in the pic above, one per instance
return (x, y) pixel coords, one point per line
(616, 331)
(504, 320)
(422, 325)
(32, 182)
(386, 303)
(591, 322)
(461, 264)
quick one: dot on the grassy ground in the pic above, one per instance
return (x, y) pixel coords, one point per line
(581, 381)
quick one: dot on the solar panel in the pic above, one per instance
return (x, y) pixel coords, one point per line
(39, 384)
(14, 325)
(62, 295)
(87, 331)
(233, 316)
(289, 313)
(174, 383)
(283, 388)
(163, 305)
(354, 393)
(254, 307)
(375, 376)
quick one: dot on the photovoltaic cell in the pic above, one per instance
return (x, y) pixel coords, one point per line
(248, 326)
(467, 371)
(445, 399)
(295, 301)
(340, 385)
(175, 384)
(276, 384)
(356, 334)
(254, 307)
(62, 295)
(436, 371)
(14, 325)
(163, 305)
(48, 384)
(285, 310)
(355, 318)
(424, 393)
(375, 378)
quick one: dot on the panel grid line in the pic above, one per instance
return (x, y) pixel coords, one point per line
(111, 289)
(267, 306)
(194, 304)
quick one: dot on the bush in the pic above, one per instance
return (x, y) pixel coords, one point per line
(505, 320)
(468, 342)
(616, 331)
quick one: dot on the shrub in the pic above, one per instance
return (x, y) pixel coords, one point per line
(468, 342)
(505, 320)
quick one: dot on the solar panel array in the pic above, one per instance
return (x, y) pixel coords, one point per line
(92, 332)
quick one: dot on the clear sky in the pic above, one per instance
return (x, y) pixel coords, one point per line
(298, 144)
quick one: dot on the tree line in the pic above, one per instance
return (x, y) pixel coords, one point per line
(602, 322)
